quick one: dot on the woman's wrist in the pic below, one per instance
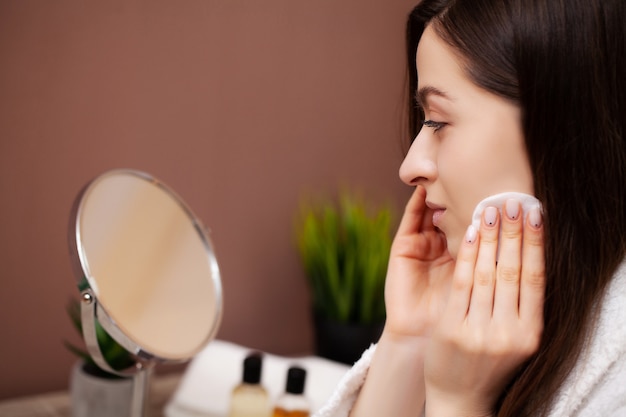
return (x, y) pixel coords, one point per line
(440, 405)
(449, 410)
(404, 342)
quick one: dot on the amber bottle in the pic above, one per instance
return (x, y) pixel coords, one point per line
(293, 403)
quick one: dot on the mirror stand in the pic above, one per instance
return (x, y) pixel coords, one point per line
(143, 264)
(141, 381)
(142, 370)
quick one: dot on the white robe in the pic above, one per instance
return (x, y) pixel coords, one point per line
(595, 387)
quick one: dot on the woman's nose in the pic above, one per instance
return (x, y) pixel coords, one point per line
(418, 165)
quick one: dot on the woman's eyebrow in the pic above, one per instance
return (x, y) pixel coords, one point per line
(421, 96)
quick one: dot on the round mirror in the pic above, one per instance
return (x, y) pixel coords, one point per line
(145, 267)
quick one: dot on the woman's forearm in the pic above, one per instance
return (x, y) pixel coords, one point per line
(395, 381)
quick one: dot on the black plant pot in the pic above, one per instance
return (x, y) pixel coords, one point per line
(344, 342)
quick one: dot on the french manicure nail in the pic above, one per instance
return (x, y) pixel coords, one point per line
(512, 208)
(534, 217)
(470, 235)
(490, 215)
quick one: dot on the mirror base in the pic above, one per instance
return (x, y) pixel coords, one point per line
(142, 370)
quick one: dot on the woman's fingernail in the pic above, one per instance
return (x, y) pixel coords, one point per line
(490, 215)
(535, 218)
(470, 235)
(512, 208)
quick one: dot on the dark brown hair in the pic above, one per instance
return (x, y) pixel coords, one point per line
(564, 64)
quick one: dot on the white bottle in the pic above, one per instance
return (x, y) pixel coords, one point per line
(250, 398)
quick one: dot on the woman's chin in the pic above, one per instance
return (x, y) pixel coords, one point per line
(453, 245)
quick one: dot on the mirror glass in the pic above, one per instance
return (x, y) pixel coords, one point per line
(149, 263)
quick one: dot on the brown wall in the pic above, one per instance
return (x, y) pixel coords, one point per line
(240, 106)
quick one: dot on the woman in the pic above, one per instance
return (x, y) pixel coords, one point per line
(525, 96)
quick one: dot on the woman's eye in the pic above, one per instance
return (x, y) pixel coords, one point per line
(433, 124)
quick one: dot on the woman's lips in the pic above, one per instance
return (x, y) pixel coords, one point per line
(437, 212)
(437, 216)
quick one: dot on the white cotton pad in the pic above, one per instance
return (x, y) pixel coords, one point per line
(528, 201)
(497, 200)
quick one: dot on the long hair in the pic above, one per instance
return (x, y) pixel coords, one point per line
(564, 64)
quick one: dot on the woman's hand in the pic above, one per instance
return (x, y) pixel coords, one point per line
(416, 289)
(419, 273)
(493, 320)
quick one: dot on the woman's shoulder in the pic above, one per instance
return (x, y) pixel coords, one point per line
(597, 384)
(606, 396)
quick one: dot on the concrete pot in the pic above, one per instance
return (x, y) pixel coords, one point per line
(97, 396)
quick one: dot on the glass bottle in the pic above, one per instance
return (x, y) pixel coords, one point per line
(293, 403)
(250, 398)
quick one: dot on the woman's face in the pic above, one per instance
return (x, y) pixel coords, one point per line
(471, 145)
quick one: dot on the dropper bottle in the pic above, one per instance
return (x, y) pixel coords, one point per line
(293, 403)
(250, 398)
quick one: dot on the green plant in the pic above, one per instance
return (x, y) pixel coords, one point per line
(115, 355)
(345, 251)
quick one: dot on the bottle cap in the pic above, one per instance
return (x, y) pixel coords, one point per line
(296, 378)
(252, 367)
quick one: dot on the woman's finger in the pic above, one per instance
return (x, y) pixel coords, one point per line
(481, 303)
(413, 217)
(508, 270)
(463, 278)
(533, 280)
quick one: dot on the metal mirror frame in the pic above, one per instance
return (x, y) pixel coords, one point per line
(92, 310)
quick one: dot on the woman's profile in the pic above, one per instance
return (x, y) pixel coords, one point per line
(523, 313)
